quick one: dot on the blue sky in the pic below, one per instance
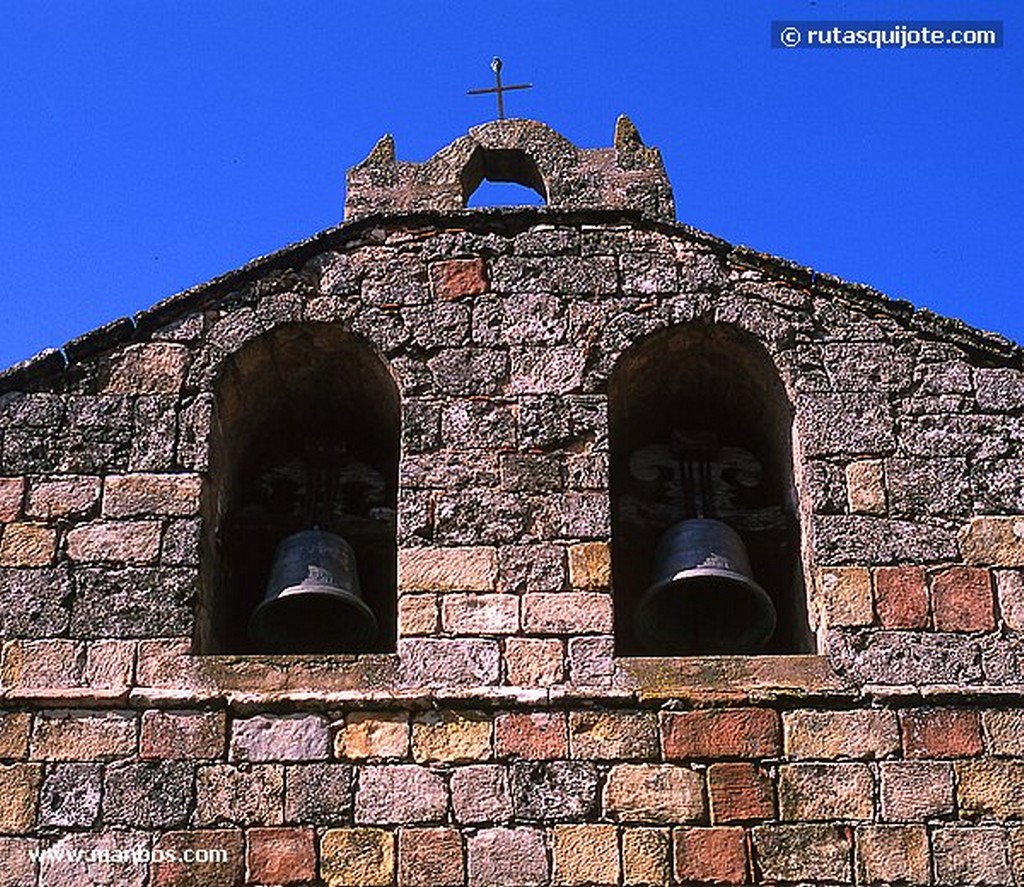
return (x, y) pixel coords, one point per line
(147, 147)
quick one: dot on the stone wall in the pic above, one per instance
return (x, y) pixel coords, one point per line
(504, 742)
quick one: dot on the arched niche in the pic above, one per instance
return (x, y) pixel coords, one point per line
(305, 433)
(700, 393)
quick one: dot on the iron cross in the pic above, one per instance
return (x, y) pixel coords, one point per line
(498, 87)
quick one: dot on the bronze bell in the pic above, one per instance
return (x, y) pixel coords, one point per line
(313, 602)
(703, 597)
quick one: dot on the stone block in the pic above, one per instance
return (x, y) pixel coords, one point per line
(971, 855)
(100, 858)
(914, 791)
(182, 734)
(590, 566)
(226, 846)
(49, 663)
(901, 597)
(717, 855)
(892, 854)
(1004, 732)
(132, 602)
(645, 857)
(12, 491)
(417, 614)
(147, 368)
(469, 371)
(357, 857)
(591, 661)
(581, 612)
(962, 599)
(866, 539)
(83, 736)
(280, 855)
(19, 787)
(451, 736)
(480, 614)
(150, 794)
(851, 423)
(130, 542)
(447, 569)
(551, 369)
(991, 788)
(823, 792)
(740, 791)
(373, 735)
(531, 735)
(653, 793)
(553, 790)
(251, 794)
(993, 541)
(940, 733)
(720, 733)
(319, 794)
(14, 732)
(54, 497)
(400, 793)
(18, 862)
(865, 487)
(1010, 592)
(280, 738)
(861, 733)
(33, 602)
(456, 278)
(70, 796)
(530, 472)
(614, 735)
(534, 662)
(139, 495)
(444, 662)
(585, 855)
(430, 857)
(508, 856)
(802, 852)
(846, 595)
(906, 657)
(27, 545)
(479, 428)
(480, 793)
(531, 567)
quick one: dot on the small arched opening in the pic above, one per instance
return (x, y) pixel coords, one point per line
(502, 177)
(306, 437)
(700, 432)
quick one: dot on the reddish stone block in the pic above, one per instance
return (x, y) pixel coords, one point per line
(169, 734)
(739, 792)
(147, 368)
(645, 857)
(613, 735)
(585, 855)
(716, 855)
(892, 854)
(17, 862)
(430, 857)
(508, 856)
(535, 736)
(14, 727)
(11, 491)
(280, 855)
(61, 496)
(417, 614)
(971, 855)
(962, 599)
(480, 793)
(901, 597)
(447, 569)
(720, 733)
(221, 850)
(455, 278)
(653, 793)
(824, 792)
(1010, 590)
(1004, 731)
(940, 733)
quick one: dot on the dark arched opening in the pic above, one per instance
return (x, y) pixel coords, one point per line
(501, 165)
(700, 426)
(305, 435)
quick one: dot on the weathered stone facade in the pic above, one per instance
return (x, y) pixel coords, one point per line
(503, 741)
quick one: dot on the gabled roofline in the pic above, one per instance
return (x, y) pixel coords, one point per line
(50, 363)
